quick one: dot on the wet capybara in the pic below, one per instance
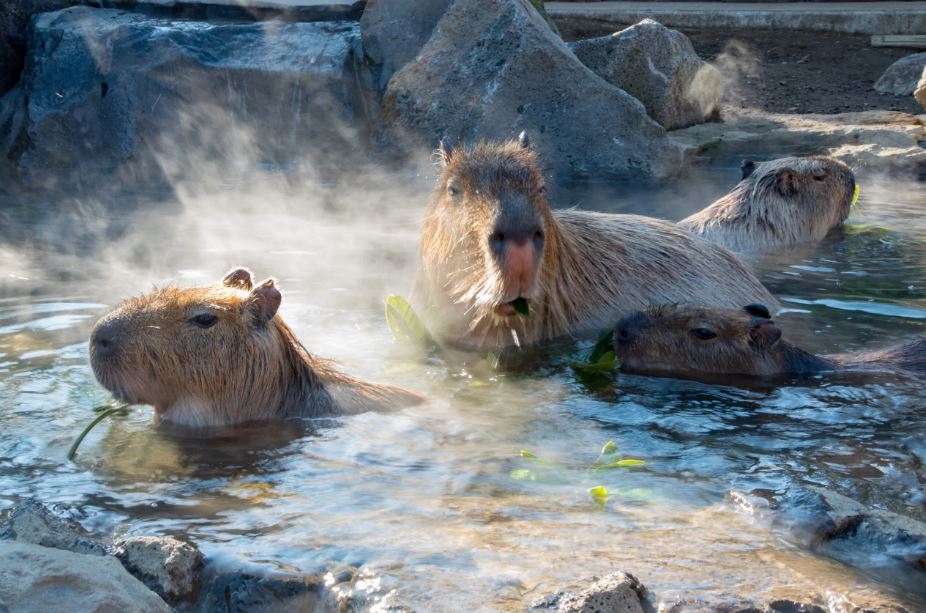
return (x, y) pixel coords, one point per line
(702, 342)
(780, 203)
(220, 355)
(492, 245)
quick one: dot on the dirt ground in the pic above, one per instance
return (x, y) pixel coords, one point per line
(786, 71)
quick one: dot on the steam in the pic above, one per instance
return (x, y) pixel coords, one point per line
(724, 78)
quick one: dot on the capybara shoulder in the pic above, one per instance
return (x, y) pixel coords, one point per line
(779, 203)
(703, 342)
(500, 267)
(220, 355)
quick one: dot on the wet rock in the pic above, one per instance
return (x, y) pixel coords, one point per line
(901, 77)
(877, 141)
(30, 521)
(35, 578)
(493, 68)
(920, 93)
(168, 566)
(364, 590)
(660, 68)
(394, 31)
(745, 606)
(616, 593)
(236, 591)
(120, 95)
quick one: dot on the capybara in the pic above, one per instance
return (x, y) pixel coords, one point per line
(491, 246)
(702, 342)
(780, 203)
(220, 355)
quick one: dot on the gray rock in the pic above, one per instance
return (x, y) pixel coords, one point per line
(394, 31)
(616, 593)
(901, 77)
(32, 522)
(170, 567)
(39, 579)
(658, 67)
(234, 591)
(920, 93)
(108, 93)
(492, 69)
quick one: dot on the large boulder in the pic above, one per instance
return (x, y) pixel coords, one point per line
(40, 579)
(120, 95)
(493, 68)
(902, 76)
(170, 567)
(394, 31)
(29, 521)
(658, 67)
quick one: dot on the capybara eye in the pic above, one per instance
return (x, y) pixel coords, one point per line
(819, 177)
(703, 333)
(453, 190)
(204, 320)
(542, 189)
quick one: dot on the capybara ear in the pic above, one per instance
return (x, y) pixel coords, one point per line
(785, 180)
(747, 168)
(764, 333)
(239, 278)
(524, 140)
(446, 150)
(758, 310)
(263, 303)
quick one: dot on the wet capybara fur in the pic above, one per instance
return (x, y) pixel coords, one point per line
(703, 342)
(221, 355)
(780, 203)
(489, 237)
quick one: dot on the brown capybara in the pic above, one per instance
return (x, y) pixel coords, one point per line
(220, 355)
(780, 203)
(703, 342)
(491, 244)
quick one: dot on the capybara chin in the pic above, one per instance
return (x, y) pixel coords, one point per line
(489, 237)
(703, 342)
(777, 204)
(221, 355)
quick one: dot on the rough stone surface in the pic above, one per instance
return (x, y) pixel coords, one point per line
(170, 567)
(129, 96)
(35, 578)
(660, 68)
(920, 93)
(874, 141)
(902, 76)
(234, 591)
(616, 593)
(493, 68)
(32, 522)
(394, 31)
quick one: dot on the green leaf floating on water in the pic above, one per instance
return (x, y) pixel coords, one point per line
(523, 474)
(404, 323)
(609, 448)
(602, 358)
(104, 411)
(521, 307)
(599, 495)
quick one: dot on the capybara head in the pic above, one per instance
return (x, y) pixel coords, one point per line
(201, 350)
(797, 191)
(687, 341)
(487, 224)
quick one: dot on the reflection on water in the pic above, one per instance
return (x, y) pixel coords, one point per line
(426, 497)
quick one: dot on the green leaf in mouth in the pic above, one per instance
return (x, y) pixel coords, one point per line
(521, 307)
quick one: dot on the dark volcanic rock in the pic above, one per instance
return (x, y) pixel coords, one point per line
(125, 96)
(493, 68)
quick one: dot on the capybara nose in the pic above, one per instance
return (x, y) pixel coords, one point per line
(518, 252)
(104, 337)
(627, 328)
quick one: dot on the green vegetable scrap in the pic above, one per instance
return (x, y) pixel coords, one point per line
(405, 324)
(602, 358)
(104, 411)
(599, 495)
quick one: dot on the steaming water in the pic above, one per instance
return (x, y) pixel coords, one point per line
(424, 499)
